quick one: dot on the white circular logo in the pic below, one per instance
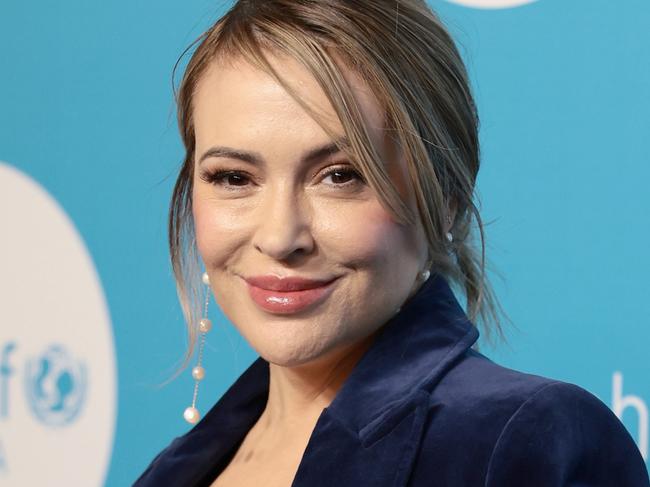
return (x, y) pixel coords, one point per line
(57, 358)
(487, 4)
(55, 386)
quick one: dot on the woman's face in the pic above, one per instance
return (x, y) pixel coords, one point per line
(273, 197)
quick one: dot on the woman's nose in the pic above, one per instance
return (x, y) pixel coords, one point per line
(283, 222)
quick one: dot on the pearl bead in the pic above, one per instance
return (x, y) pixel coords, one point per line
(198, 372)
(205, 325)
(205, 278)
(450, 237)
(425, 275)
(191, 415)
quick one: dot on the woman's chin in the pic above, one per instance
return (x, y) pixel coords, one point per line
(314, 355)
(295, 355)
(290, 357)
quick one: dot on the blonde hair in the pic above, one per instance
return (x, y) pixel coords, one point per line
(408, 59)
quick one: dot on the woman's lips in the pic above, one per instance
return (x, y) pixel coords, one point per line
(291, 300)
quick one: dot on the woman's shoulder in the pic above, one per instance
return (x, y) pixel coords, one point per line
(563, 430)
(480, 384)
(516, 428)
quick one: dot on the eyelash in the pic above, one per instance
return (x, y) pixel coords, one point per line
(217, 177)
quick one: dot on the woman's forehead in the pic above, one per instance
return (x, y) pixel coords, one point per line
(237, 91)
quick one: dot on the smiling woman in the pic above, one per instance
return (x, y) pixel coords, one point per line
(328, 191)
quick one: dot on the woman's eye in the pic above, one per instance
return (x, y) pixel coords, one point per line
(343, 176)
(226, 178)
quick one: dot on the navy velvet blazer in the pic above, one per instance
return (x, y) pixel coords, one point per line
(422, 408)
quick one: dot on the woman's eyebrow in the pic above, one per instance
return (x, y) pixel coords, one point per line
(255, 158)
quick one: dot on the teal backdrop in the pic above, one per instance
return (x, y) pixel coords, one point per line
(87, 115)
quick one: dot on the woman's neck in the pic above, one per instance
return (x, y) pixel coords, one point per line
(299, 394)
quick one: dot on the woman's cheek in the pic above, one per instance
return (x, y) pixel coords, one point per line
(217, 230)
(362, 234)
(203, 229)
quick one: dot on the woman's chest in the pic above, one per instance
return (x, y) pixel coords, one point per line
(272, 464)
(278, 474)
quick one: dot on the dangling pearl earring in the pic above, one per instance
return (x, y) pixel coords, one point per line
(191, 414)
(450, 237)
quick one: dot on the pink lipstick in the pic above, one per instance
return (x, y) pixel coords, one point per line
(289, 294)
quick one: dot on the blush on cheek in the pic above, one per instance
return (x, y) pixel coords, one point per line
(371, 236)
(221, 233)
(201, 230)
(210, 238)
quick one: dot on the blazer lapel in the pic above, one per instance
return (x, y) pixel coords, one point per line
(382, 457)
(371, 432)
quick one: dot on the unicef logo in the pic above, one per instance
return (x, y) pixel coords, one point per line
(492, 3)
(55, 386)
(58, 394)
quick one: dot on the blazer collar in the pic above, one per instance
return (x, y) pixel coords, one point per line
(412, 352)
(384, 396)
